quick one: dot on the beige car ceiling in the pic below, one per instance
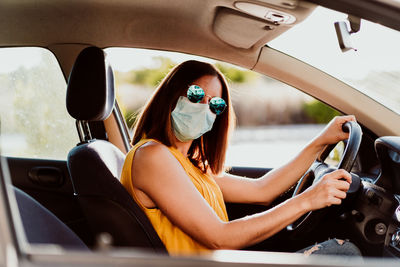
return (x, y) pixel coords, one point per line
(227, 30)
(213, 28)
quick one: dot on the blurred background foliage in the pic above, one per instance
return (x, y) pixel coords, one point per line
(257, 99)
(236, 75)
(319, 112)
(34, 119)
(150, 77)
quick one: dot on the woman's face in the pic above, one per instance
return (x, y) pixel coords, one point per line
(211, 85)
(195, 115)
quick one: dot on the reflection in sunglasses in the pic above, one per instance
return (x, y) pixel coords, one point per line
(196, 94)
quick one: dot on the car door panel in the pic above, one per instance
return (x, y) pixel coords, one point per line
(238, 210)
(48, 182)
(279, 242)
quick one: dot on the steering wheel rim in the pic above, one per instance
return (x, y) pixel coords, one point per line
(318, 169)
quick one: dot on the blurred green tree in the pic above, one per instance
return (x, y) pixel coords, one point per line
(152, 76)
(319, 112)
(236, 75)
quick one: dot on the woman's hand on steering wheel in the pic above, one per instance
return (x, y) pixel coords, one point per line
(324, 185)
(329, 190)
(333, 132)
(332, 187)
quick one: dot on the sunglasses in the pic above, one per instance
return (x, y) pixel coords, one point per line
(195, 94)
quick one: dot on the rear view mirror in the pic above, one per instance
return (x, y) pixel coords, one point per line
(344, 33)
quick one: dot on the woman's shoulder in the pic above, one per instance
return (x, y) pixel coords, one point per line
(150, 162)
(151, 150)
(155, 156)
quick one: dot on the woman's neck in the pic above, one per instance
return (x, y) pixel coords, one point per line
(183, 147)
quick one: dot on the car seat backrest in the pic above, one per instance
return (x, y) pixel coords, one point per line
(95, 165)
(42, 227)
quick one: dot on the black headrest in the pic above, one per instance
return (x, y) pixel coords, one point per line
(90, 91)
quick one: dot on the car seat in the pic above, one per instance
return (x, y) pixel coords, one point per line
(95, 165)
(42, 227)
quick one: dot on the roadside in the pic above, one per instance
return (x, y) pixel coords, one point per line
(269, 146)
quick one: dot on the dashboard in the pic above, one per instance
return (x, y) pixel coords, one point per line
(377, 210)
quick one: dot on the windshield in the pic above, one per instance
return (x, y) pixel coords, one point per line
(373, 69)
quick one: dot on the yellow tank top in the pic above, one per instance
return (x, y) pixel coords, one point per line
(174, 239)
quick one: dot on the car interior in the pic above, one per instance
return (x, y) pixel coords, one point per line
(73, 201)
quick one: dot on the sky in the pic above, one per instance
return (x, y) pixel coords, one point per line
(12, 58)
(377, 46)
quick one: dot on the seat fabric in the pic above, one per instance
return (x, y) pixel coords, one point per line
(42, 227)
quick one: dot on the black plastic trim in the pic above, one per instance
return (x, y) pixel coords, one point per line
(375, 11)
(250, 172)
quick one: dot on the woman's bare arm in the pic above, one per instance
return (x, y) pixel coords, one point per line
(265, 189)
(160, 177)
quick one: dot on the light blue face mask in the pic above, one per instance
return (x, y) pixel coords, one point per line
(191, 120)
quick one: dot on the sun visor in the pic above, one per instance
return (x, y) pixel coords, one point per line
(249, 25)
(239, 29)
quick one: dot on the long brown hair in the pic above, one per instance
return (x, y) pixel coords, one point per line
(207, 151)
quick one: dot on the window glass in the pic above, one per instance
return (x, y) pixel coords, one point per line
(336, 154)
(274, 120)
(34, 119)
(373, 68)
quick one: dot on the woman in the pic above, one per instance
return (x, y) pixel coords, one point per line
(175, 171)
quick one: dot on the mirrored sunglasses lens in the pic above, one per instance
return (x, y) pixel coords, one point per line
(195, 93)
(217, 105)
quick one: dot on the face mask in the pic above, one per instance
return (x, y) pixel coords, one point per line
(191, 120)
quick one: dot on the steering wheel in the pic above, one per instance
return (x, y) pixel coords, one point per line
(318, 169)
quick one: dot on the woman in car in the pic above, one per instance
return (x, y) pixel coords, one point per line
(175, 171)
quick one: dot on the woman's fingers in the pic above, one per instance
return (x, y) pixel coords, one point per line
(337, 183)
(333, 132)
(335, 201)
(339, 194)
(340, 120)
(340, 174)
(330, 189)
(342, 185)
(336, 197)
(344, 119)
